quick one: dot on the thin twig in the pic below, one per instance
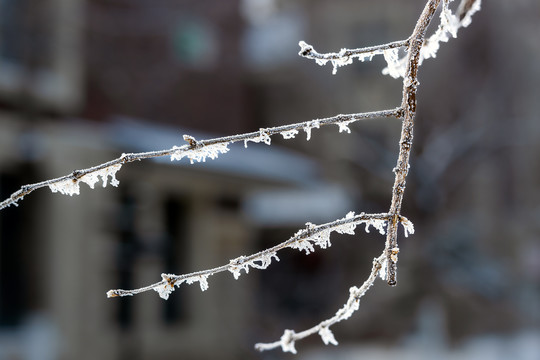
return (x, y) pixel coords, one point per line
(200, 144)
(317, 234)
(287, 341)
(309, 52)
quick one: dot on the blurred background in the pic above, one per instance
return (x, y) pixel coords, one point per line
(82, 81)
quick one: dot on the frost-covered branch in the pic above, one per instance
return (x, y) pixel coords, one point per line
(195, 150)
(304, 240)
(396, 65)
(289, 337)
(346, 56)
(416, 48)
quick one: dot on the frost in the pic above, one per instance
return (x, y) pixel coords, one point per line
(344, 126)
(264, 261)
(394, 254)
(321, 62)
(378, 224)
(71, 186)
(349, 227)
(287, 341)
(201, 153)
(202, 279)
(303, 245)
(466, 21)
(67, 187)
(408, 226)
(327, 336)
(261, 262)
(342, 61)
(382, 271)
(309, 126)
(352, 305)
(290, 134)
(396, 67)
(166, 289)
(305, 48)
(263, 137)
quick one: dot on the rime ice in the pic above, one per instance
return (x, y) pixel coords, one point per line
(199, 154)
(71, 186)
(327, 336)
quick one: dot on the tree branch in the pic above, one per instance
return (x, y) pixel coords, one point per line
(303, 240)
(289, 337)
(195, 150)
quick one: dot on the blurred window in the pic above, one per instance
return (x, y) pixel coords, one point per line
(39, 52)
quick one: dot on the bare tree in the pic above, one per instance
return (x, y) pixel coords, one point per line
(403, 61)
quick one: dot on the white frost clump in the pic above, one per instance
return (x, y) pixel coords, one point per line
(466, 21)
(378, 224)
(396, 67)
(347, 228)
(408, 226)
(327, 336)
(202, 279)
(342, 61)
(344, 126)
(287, 341)
(352, 305)
(312, 124)
(263, 137)
(290, 134)
(199, 154)
(71, 186)
(382, 271)
(262, 262)
(164, 290)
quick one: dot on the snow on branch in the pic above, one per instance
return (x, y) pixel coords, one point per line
(289, 337)
(346, 56)
(396, 65)
(195, 150)
(304, 240)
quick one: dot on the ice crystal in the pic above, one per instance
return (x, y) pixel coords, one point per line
(287, 341)
(349, 227)
(378, 224)
(352, 304)
(263, 137)
(202, 279)
(72, 186)
(327, 336)
(382, 271)
(264, 261)
(261, 262)
(67, 187)
(396, 67)
(408, 226)
(199, 154)
(290, 134)
(312, 124)
(342, 61)
(344, 126)
(303, 245)
(466, 21)
(164, 290)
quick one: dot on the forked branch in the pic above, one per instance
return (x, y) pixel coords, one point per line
(417, 48)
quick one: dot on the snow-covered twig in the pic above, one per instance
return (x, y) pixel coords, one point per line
(304, 240)
(289, 337)
(396, 65)
(346, 56)
(195, 150)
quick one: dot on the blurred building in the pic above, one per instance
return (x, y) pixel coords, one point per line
(82, 81)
